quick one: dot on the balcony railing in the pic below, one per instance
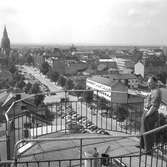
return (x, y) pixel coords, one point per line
(125, 161)
(107, 116)
(158, 158)
(69, 114)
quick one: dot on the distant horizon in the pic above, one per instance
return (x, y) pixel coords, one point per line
(84, 45)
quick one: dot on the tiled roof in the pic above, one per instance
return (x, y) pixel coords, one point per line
(102, 80)
(74, 68)
(122, 76)
(109, 80)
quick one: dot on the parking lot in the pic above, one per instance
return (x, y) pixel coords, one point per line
(76, 122)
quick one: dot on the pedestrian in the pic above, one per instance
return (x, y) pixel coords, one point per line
(150, 115)
(96, 156)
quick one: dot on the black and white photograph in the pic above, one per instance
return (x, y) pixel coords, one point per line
(83, 83)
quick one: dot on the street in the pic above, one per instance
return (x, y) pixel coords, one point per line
(80, 107)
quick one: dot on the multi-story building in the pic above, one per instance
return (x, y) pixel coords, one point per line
(117, 93)
(114, 91)
(113, 83)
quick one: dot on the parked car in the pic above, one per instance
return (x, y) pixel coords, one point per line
(86, 131)
(72, 112)
(75, 115)
(90, 126)
(82, 120)
(93, 128)
(80, 117)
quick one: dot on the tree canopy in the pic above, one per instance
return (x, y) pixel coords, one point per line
(44, 68)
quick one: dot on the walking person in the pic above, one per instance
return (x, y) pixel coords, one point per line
(96, 156)
(150, 115)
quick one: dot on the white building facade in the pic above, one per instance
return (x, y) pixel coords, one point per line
(113, 91)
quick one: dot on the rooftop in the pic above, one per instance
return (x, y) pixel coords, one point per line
(102, 80)
(70, 149)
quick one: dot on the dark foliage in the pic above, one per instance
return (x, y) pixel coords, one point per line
(44, 68)
(53, 75)
(121, 113)
(69, 84)
(88, 96)
(61, 81)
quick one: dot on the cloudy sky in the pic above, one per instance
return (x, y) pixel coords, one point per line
(107, 22)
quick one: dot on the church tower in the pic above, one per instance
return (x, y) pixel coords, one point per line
(5, 43)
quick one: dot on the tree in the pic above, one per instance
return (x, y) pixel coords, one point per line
(53, 75)
(17, 76)
(162, 77)
(61, 81)
(88, 96)
(21, 84)
(28, 87)
(44, 68)
(39, 99)
(30, 59)
(69, 84)
(79, 86)
(49, 115)
(12, 68)
(35, 88)
(121, 113)
(4, 84)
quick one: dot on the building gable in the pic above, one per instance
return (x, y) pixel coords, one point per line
(139, 68)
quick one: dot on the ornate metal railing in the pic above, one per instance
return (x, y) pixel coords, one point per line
(122, 117)
(158, 158)
(117, 161)
(69, 114)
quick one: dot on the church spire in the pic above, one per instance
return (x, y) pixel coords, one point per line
(5, 34)
(5, 42)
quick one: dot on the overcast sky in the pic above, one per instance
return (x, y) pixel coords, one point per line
(110, 22)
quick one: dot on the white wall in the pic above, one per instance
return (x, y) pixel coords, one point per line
(139, 69)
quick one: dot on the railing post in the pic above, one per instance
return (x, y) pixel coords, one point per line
(80, 152)
(65, 110)
(97, 112)
(140, 154)
(7, 142)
